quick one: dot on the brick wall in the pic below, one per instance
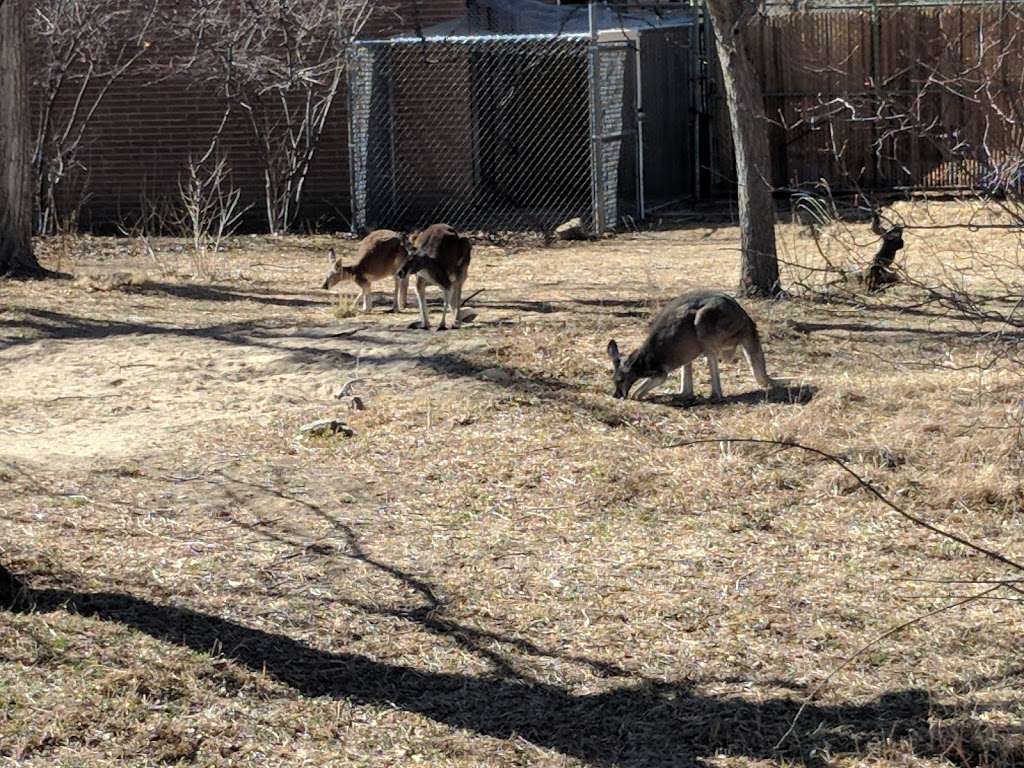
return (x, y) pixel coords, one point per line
(140, 140)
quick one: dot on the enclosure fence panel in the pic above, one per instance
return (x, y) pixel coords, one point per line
(488, 125)
(482, 134)
(616, 160)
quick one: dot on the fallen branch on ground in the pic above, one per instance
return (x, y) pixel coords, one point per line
(1003, 559)
(996, 556)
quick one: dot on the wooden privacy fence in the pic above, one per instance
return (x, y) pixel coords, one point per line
(888, 97)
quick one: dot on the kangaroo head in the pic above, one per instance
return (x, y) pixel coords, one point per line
(413, 260)
(892, 241)
(894, 238)
(624, 373)
(406, 268)
(338, 273)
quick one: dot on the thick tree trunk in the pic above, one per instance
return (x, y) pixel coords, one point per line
(16, 259)
(759, 275)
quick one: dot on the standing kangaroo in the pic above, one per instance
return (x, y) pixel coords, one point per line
(697, 323)
(880, 273)
(381, 254)
(438, 255)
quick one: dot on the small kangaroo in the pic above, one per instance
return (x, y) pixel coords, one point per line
(880, 273)
(381, 254)
(698, 323)
(438, 255)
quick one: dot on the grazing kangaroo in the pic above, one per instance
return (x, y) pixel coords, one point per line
(699, 323)
(438, 255)
(381, 254)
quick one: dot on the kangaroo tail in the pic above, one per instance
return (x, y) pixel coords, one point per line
(755, 357)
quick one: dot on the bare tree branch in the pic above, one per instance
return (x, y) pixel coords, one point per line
(84, 49)
(281, 64)
(871, 644)
(870, 488)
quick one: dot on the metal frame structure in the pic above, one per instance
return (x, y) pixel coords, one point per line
(518, 131)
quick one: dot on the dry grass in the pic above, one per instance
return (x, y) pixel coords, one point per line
(503, 566)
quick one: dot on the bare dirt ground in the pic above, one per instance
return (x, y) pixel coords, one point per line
(503, 565)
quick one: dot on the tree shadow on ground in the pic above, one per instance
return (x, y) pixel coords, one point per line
(894, 333)
(930, 309)
(198, 292)
(610, 307)
(656, 724)
(536, 307)
(572, 393)
(51, 325)
(604, 409)
(428, 615)
(638, 306)
(790, 394)
(47, 325)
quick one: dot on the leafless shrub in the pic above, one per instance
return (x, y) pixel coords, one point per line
(66, 230)
(210, 210)
(155, 216)
(81, 50)
(281, 64)
(846, 260)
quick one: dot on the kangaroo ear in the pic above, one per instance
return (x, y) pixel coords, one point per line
(332, 256)
(613, 353)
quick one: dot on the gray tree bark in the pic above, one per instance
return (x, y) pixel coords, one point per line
(16, 258)
(759, 268)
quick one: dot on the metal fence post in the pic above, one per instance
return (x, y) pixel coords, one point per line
(349, 106)
(709, 101)
(596, 153)
(639, 109)
(392, 120)
(696, 103)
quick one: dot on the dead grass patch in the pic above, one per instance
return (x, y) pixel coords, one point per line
(504, 565)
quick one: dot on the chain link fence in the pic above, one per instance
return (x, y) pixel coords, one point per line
(513, 131)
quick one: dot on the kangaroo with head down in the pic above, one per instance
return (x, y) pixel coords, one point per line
(698, 323)
(438, 255)
(381, 254)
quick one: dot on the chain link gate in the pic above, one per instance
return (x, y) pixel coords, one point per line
(483, 134)
(498, 132)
